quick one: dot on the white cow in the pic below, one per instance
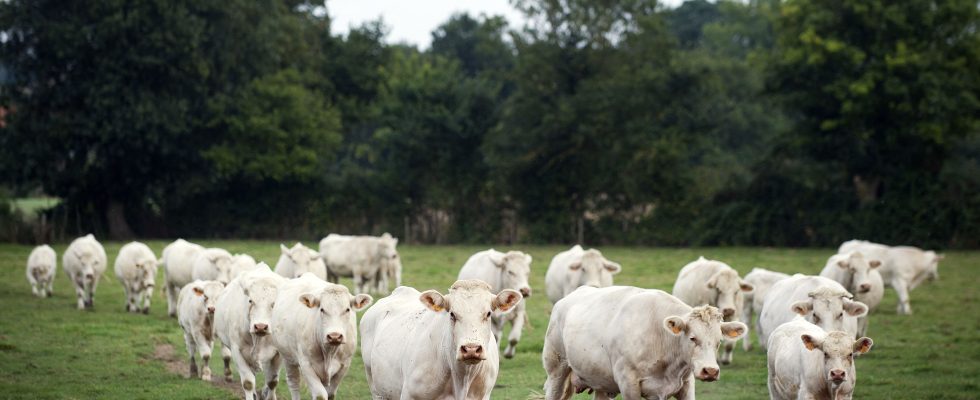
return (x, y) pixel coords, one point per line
(241, 263)
(428, 346)
(41, 267)
(860, 276)
(713, 283)
(577, 267)
(643, 343)
(178, 269)
(370, 261)
(195, 313)
(806, 362)
(213, 265)
(902, 267)
(242, 319)
(820, 300)
(299, 260)
(84, 262)
(315, 332)
(503, 271)
(136, 268)
(761, 280)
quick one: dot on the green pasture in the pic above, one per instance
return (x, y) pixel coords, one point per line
(50, 350)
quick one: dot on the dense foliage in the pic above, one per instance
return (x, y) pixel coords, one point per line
(796, 122)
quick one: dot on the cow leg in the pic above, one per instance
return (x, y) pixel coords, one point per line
(862, 327)
(747, 319)
(383, 281)
(628, 382)
(557, 386)
(191, 352)
(726, 352)
(171, 299)
(293, 380)
(359, 281)
(226, 357)
(245, 374)
(497, 327)
(332, 277)
(204, 349)
(317, 390)
(80, 293)
(516, 328)
(147, 294)
(271, 367)
(903, 296)
(687, 391)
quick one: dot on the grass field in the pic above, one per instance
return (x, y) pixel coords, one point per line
(49, 350)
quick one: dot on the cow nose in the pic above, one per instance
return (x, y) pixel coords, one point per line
(335, 338)
(837, 375)
(526, 292)
(728, 312)
(708, 374)
(471, 352)
(261, 329)
(865, 287)
(211, 309)
(89, 276)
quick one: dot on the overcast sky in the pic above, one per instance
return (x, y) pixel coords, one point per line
(412, 21)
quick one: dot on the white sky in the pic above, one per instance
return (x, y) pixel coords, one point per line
(412, 21)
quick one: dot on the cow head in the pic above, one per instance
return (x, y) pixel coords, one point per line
(839, 349)
(261, 290)
(468, 307)
(208, 292)
(220, 261)
(932, 269)
(336, 306)
(241, 263)
(592, 269)
(86, 278)
(728, 291)
(831, 309)
(388, 252)
(700, 334)
(514, 269)
(306, 259)
(146, 272)
(857, 268)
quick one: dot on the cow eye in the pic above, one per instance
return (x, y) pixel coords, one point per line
(694, 340)
(250, 302)
(452, 316)
(511, 273)
(488, 314)
(348, 309)
(816, 319)
(841, 315)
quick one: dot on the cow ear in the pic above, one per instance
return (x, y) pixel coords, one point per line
(198, 291)
(497, 258)
(810, 342)
(802, 307)
(874, 263)
(612, 267)
(863, 345)
(675, 325)
(527, 259)
(575, 266)
(746, 287)
(285, 250)
(434, 300)
(842, 264)
(733, 330)
(506, 300)
(309, 300)
(855, 308)
(361, 301)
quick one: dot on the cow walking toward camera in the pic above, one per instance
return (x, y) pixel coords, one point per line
(195, 313)
(642, 343)
(41, 267)
(85, 261)
(508, 270)
(761, 280)
(178, 269)
(136, 269)
(298, 260)
(577, 267)
(859, 276)
(424, 346)
(713, 283)
(821, 301)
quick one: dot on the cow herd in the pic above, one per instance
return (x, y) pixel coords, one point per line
(604, 339)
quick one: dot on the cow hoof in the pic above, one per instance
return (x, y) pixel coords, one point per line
(146, 311)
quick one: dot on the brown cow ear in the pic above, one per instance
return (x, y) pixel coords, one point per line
(810, 342)
(506, 300)
(360, 301)
(802, 307)
(842, 264)
(874, 263)
(309, 300)
(863, 345)
(575, 266)
(434, 301)
(198, 291)
(675, 325)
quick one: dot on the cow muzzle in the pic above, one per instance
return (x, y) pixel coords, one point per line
(526, 292)
(335, 338)
(260, 329)
(708, 374)
(728, 312)
(471, 353)
(838, 376)
(864, 288)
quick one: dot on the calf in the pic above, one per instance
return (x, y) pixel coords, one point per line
(299, 260)
(136, 268)
(195, 313)
(578, 267)
(503, 271)
(806, 362)
(178, 269)
(642, 343)
(84, 262)
(761, 280)
(902, 267)
(859, 276)
(713, 283)
(820, 300)
(315, 332)
(242, 319)
(41, 266)
(424, 346)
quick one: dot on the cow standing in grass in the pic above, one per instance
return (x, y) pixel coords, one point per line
(178, 269)
(761, 280)
(503, 271)
(85, 261)
(859, 276)
(136, 268)
(195, 313)
(577, 267)
(41, 267)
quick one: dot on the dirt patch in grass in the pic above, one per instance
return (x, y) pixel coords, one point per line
(177, 364)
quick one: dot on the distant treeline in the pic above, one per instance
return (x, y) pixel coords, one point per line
(778, 123)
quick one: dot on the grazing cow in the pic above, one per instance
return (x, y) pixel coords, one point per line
(242, 319)
(820, 300)
(178, 269)
(902, 267)
(370, 261)
(424, 346)
(761, 280)
(577, 267)
(136, 268)
(806, 362)
(41, 266)
(195, 313)
(643, 343)
(859, 276)
(213, 265)
(503, 271)
(716, 284)
(84, 262)
(315, 332)
(300, 260)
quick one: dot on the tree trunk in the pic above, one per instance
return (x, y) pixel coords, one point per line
(116, 217)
